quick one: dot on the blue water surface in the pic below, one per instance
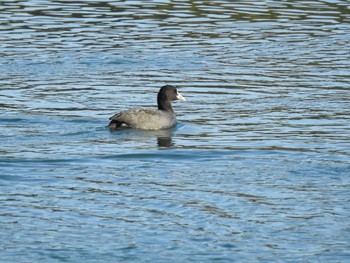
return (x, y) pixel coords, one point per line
(255, 170)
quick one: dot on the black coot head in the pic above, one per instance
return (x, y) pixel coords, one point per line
(169, 92)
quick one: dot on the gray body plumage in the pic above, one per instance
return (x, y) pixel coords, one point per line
(145, 119)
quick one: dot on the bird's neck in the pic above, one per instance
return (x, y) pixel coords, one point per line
(164, 104)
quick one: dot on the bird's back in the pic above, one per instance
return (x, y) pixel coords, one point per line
(143, 118)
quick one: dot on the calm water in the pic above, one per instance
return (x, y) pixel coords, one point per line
(256, 169)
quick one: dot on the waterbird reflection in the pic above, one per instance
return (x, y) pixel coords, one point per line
(163, 137)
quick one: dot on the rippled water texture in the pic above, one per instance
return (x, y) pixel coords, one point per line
(256, 169)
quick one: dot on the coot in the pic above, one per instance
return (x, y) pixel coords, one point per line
(149, 119)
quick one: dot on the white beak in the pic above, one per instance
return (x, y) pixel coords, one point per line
(180, 97)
